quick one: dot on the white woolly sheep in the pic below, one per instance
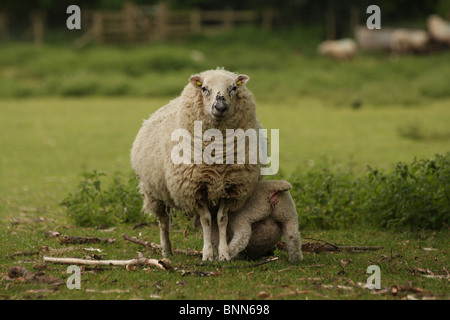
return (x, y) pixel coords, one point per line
(439, 29)
(258, 226)
(344, 49)
(220, 100)
(403, 41)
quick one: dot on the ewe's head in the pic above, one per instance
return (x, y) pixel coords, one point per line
(219, 90)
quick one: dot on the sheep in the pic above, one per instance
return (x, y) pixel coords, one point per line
(344, 49)
(269, 213)
(403, 41)
(439, 29)
(220, 100)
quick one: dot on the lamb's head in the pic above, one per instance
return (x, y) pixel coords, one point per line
(219, 90)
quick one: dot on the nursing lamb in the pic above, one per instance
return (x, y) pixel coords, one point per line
(256, 228)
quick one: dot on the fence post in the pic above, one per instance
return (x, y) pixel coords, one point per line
(228, 18)
(162, 21)
(330, 23)
(268, 17)
(97, 26)
(196, 21)
(3, 25)
(37, 26)
(354, 18)
(129, 22)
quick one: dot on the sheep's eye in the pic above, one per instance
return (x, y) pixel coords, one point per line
(205, 91)
(233, 89)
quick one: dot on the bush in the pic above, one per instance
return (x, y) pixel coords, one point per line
(415, 196)
(92, 205)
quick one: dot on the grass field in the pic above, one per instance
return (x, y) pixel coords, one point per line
(64, 112)
(48, 142)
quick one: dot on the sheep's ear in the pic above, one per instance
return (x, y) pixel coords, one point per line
(242, 79)
(196, 80)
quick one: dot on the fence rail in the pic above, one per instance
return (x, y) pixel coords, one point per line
(146, 23)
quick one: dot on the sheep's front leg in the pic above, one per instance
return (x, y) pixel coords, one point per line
(205, 221)
(222, 222)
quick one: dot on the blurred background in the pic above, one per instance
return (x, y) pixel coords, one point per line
(122, 46)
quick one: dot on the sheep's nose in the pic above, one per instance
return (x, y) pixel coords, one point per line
(220, 105)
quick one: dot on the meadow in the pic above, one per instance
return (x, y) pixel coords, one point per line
(65, 112)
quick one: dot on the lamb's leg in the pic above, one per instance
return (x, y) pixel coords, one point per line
(242, 231)
(293, 241)
(205, 221)
(222, 222)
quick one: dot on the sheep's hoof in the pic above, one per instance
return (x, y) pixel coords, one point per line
(207, 254)
(208, 258)
(222, 258)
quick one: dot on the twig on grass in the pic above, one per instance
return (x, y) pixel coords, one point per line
(23, 253)
(253, 264)
(21, 274)
(157, 247)
(78, 240)
(329, 247)
(163, 264)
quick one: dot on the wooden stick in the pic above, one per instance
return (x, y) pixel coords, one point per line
(78, 240)
(141, 242)
(163, 264)
(157, 247)
(326, 246)
(357, 248)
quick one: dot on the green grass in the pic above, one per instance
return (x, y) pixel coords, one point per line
(403, 262)
(284, 67)
(48, 142)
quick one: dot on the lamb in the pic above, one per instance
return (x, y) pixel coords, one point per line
(220, 100)
(344, 49)
(439, 29)
(256, 228)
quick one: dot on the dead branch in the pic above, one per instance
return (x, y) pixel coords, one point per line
(22, 274)
(78, 240)
(254, 264)
(329, 247)
(52, 234)
(157, 247)
(24, 253)
(163, 264)
(199, 273)
(327, 243)
(359, 248)
(152, 245)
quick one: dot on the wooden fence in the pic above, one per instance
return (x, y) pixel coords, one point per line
(146, 23)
